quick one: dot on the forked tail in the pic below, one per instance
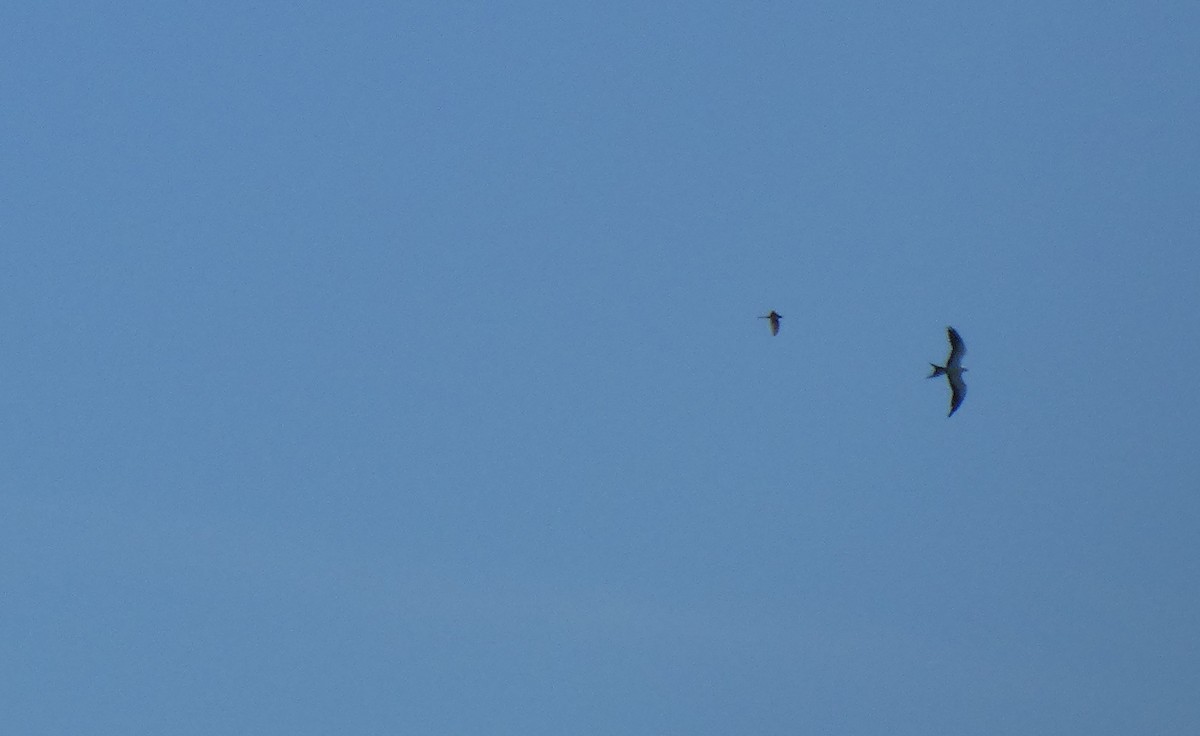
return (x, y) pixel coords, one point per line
(937, 371)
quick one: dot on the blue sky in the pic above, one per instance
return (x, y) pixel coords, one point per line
(395, 368)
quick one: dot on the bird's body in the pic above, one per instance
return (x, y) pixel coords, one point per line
(774, 317)
(953, 370)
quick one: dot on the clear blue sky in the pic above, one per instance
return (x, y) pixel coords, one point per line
(394, 368)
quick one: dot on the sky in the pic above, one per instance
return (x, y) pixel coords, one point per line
(395, 368)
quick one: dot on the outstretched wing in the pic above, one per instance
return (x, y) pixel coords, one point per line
(958, 390)
(957, 348)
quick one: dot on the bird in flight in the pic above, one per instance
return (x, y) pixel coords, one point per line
(953, 370)
(774, 317)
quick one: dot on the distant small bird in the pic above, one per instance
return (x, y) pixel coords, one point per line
(774, 317)
(953, 370)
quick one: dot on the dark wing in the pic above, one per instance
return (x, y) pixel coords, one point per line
(958, 391)
(957, 348)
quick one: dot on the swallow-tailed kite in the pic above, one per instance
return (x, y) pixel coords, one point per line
(953, 370)
(774, 317)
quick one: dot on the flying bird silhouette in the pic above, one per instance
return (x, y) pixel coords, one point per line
(953, 370)
(774, 317)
